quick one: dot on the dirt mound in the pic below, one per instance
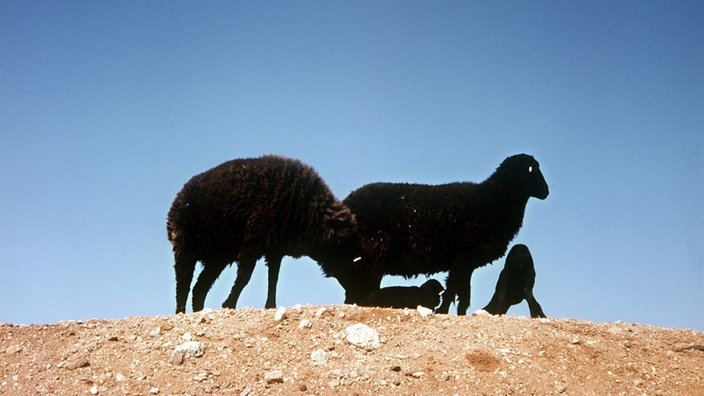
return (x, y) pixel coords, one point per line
(308, 351)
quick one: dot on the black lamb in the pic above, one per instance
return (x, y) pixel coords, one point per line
(412, 229)
(427, 295)
(515, 284)
(244, 209)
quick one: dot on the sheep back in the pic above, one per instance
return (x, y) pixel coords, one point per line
(244, 207)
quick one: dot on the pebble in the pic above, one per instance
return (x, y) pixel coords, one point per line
(94, 390)
(200, 377)
(191, 349)
(280, 314)
(77, 362)
(305, 324)
(13, 349)
(363, 336)
(423, 311)
(177, 358)
(319, 357)
(275, 376)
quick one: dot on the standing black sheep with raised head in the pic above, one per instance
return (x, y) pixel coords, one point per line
(515, 284)
(412, 229)
(427, 295)
(244, 209)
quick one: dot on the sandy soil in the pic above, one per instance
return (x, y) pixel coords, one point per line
(308, 351)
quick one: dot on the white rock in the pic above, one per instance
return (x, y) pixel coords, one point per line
(423, 311)
(480, 312)
(318, 357)
(363, 337)
(305, 324)
(191, 349)
(320, 312)
(120, 378)
(94, 390)
(274, 376)
(280, 314)
(187, 337)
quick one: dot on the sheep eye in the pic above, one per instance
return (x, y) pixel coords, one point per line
(530, 169)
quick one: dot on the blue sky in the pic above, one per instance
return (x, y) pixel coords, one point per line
(108, 108)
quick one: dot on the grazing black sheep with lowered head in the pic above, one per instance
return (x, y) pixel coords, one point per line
(244, 209)
(412, 229)
(427, 295)
(515, 284)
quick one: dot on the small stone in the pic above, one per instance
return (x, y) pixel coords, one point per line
(187, 337)
(157, 332)
(13, 349)
(363, 337)
(423, 311)
(280, 314)
(305, 324)
(113, 338)
(246, 392)
(320, 312)
(334, 383)
(177, 357)
(77, 362)
(302, 387)
(94, 390)
(120, 378)
(318, 357)
(191, 349)
(200, 377)
(396, 368)
(154, 390)
(275, 376)
(418, 374)
(575, 341)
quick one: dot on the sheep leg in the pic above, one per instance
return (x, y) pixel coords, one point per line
(450, 292)
(536, 311)
(211, 271)
(464, 284)
(245, 267)
(184, 267)
(274, 264)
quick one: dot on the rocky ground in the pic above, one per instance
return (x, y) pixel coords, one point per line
(348, 350)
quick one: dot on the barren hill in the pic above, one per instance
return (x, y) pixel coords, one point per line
(309, 351)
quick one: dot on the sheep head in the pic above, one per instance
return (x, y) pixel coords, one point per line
(338, 222)
(523, 171)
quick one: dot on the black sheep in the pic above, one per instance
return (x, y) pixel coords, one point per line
(244, 209)
(427, 295)
(412, 229)
(515, 284)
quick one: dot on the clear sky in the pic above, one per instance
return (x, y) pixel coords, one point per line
(108, 108)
